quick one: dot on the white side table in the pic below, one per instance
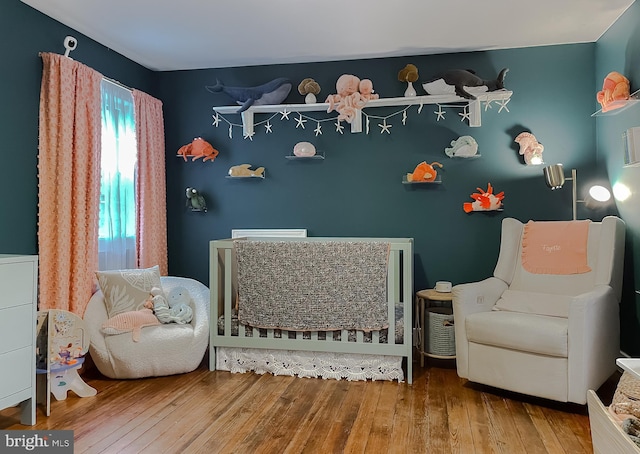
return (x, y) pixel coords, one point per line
(424, 300)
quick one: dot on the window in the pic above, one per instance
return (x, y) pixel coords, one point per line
(117, 226)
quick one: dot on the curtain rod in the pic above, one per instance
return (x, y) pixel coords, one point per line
(108, 79)
(70, 43)
(115, 82)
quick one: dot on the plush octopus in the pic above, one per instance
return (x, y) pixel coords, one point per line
(352, 96)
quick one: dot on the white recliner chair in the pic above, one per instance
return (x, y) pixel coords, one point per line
(548, 335)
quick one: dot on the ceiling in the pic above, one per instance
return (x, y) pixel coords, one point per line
(196, 34)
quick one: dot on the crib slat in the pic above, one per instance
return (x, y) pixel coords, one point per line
(393, 295)
(228, 274)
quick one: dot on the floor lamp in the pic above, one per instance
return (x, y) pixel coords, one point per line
(555, 179)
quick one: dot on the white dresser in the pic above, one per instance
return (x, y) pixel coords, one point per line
(18, 296)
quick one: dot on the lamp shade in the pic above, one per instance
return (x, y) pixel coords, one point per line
(599, 193)
(554, 176)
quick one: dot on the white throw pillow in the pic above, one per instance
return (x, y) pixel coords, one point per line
(127, 290)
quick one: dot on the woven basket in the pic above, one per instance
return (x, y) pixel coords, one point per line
(440, 339)
(626, 399)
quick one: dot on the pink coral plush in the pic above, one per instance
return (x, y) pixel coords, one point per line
(614, 88)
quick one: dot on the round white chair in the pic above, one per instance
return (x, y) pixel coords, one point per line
(164, 349)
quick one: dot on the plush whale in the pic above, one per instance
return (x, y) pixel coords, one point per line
(463, 83)
(273, 92)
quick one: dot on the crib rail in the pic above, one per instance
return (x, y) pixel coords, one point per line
(399, 290)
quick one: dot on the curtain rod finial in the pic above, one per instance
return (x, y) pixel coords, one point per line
(70, 43)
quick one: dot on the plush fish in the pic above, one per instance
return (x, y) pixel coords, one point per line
(464, 146)
(244, 170)
(463, 83)
(273, 92)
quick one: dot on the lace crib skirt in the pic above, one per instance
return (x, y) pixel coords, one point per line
(338, 366)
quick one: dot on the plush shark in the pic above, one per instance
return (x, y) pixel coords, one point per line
(273, 92)
(463, 83)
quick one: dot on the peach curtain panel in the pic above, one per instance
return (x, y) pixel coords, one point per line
(151, 192)
(69, 183)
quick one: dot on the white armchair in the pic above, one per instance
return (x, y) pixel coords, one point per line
(547, 335)
(165, 349)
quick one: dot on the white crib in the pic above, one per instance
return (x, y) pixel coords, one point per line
(371, 353)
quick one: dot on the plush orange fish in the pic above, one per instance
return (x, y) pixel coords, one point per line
(484, 200)
(425, 172)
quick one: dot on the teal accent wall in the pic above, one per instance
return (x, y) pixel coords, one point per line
(357, 189)
(24, 32)
(619, 50)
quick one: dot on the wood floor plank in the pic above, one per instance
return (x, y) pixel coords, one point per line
(477, 414)
(564, 427)
(380, 434)
(543, 429)
(460, 431)
(219, 412)
(525, 427)
(419, 429)
(502, 430)
(316, 438)
(316, 415)
(438, 440)
(402, 420)
(341, 424)
(361, 429)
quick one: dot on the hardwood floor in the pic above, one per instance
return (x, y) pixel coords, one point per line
(219, 412)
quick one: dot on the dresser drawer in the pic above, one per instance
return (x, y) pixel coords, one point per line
(16, 371)
(16, 282)
(16, 328)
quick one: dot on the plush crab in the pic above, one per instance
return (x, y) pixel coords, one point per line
(198, 148)
(484, 200)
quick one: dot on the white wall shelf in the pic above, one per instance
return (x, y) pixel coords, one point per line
(618, 106)
(474, 105)
(318, 155)
(475, 156)
(257, 177)
(438, 180)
